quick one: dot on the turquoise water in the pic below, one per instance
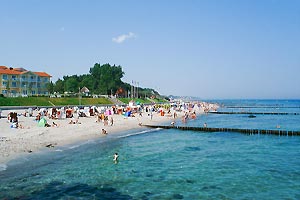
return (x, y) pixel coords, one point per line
(168, 164)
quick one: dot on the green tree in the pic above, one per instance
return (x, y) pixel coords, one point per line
(71, 83)
(88, 81)
(107, 78)
(50, 87)
(102, 79)
(59, 86)
(95, 73)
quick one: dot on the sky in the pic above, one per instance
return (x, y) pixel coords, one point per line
(211, 49)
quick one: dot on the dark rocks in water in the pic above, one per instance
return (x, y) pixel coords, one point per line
(190, 181)
(144, 197)
(210, 187)
(149, 175)
(177, 196)
(35, 174)
(108, 189)
(251, 116)
(192, 148)
(61, 190)
(147, 193)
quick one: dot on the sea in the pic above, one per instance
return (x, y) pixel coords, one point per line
(170, 163)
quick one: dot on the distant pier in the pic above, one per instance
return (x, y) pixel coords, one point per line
(255, 113)
(244, 131)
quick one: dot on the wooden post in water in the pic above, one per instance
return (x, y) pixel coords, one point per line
(244, 131)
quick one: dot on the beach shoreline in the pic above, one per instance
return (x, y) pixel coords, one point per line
(40, 129)
(17, 142)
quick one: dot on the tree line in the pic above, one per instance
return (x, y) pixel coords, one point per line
(101, 80)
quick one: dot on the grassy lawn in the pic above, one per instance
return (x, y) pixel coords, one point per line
(46, 101)
(127, 100)
(142, 101)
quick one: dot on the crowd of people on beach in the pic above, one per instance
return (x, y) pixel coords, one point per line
(105, 114)
(53, 126)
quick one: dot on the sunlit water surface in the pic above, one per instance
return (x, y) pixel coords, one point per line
(169, 164)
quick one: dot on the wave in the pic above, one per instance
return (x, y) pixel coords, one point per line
(140, 132)
(80, 144)
(3, 167)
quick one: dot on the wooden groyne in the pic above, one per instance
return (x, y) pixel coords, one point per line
(244, 131)
(255, 113)
(261, 106)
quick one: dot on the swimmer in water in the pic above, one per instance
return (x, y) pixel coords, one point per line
(116, 156)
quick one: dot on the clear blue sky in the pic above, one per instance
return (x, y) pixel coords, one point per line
(205, 48)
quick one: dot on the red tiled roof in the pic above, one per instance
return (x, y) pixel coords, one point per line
(20, 69)
(3, 67)
(25, 72)
(9, 71)
(17, 71)
(43, 74)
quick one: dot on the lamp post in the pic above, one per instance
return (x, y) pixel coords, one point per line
(137, 90)
(79, 99)
(131, 92)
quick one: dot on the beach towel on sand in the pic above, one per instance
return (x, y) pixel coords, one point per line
(42, 122)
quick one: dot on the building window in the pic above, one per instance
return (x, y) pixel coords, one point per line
(4, 77)
(13, 84)
(13, 77)
(4, 84)
(33, 92)
(4, 91)
(24, 78)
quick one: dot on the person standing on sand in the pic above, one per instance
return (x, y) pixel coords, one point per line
(111, 121)
(104, 132)
(174, 115)
(105, 121)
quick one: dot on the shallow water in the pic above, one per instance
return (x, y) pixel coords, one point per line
(166, 164)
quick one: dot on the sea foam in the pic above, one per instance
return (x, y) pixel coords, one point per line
(3, 167)
(140, 132)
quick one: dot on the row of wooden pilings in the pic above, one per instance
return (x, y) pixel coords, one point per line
(244, 131)
(255, 113)
(262, 107)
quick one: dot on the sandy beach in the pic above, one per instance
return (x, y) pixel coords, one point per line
(15, 142)
(29, 137)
